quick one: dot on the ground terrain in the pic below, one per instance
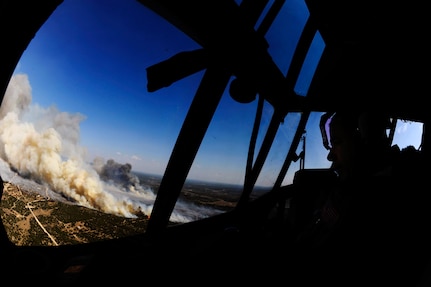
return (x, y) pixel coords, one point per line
(32, 219)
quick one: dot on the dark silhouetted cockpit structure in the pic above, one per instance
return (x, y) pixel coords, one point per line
(376, 57)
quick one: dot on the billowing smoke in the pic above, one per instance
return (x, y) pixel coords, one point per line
(117, 173)
(42, 144)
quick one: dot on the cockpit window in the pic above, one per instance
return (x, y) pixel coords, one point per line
(284, 34)
(80, 124)
(408, 133)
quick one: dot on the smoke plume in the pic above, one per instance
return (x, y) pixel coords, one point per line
(42, 144)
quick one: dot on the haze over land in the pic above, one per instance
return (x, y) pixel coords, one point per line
(43, 145)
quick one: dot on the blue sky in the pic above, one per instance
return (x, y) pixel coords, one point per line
(89, 60)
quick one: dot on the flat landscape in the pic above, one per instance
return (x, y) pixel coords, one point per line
(31, 219)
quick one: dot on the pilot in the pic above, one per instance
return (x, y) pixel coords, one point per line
(348, 224)
(359, 145)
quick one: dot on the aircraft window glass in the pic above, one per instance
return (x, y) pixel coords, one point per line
(310, 64)
(311, 145)
(285, 31)
(263, 14)
(79, 94)
(267, 114)
(408, 133)
(278, 152)
(316, 153)
(217, 174)
(80, 90)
